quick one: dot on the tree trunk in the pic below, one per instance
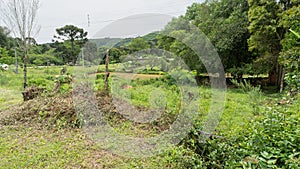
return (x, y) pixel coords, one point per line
(282, 79)
(106, 71)
(25, 67)
(273, 77)
(72, 53)
(16, 71)
(276, 77)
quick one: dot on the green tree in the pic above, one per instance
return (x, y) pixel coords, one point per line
(290, 54)
(45, 58)
(5, 58)
(138, 44)
(267, 33)
(179, 27)
(4, 34)
(225, 23)
(226, 27)
(115, 54)
(6, 43)
(73, 39)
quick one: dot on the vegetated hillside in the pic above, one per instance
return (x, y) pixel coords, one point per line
(123, 42)
(109, 42)
(151, 38)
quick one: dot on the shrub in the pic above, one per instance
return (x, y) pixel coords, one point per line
(274, 139)
(100, 76)
(7, 60)
(39, 82)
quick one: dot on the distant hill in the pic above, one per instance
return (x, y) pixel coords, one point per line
(151, 38)
(109, 42)
(121, 42)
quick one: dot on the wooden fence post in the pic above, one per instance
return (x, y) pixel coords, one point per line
(106, 71)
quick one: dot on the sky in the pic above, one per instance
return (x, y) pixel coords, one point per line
(103, 14)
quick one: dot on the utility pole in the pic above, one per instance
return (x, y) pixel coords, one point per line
(16, 71)
(106, 71)
(89, 21)
(82, 57)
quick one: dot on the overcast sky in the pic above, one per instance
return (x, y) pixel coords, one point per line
(57, 13)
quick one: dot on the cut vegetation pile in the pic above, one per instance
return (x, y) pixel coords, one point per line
(55, 111)
(58, 111)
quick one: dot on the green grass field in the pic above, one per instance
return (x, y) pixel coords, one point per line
(35, 146)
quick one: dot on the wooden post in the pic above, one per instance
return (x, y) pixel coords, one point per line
(16, 71)
(282, 74)
(82, 57)
(106, 71)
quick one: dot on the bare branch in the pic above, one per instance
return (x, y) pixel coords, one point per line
(20, 16)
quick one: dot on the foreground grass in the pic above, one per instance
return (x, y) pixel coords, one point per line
(30, 147)
(23, 147)
(33, 147)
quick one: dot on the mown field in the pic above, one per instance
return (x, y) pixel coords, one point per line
(256, 130)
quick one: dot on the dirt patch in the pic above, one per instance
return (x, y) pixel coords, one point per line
(125, 86)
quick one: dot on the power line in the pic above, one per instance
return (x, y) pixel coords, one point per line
(93, 23)
(89, 21)
(112, 20)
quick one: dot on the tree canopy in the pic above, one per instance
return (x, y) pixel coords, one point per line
(217, 20)
(71, 39)
(290, 54)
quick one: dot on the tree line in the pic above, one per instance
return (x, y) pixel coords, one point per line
(251, 37)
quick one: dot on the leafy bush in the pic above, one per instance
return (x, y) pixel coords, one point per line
(274, 139)
(44, 59)
(7, 60)
(245, 86)
(39, 82)
(270, 140)
(237, 72)
(100, 76)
